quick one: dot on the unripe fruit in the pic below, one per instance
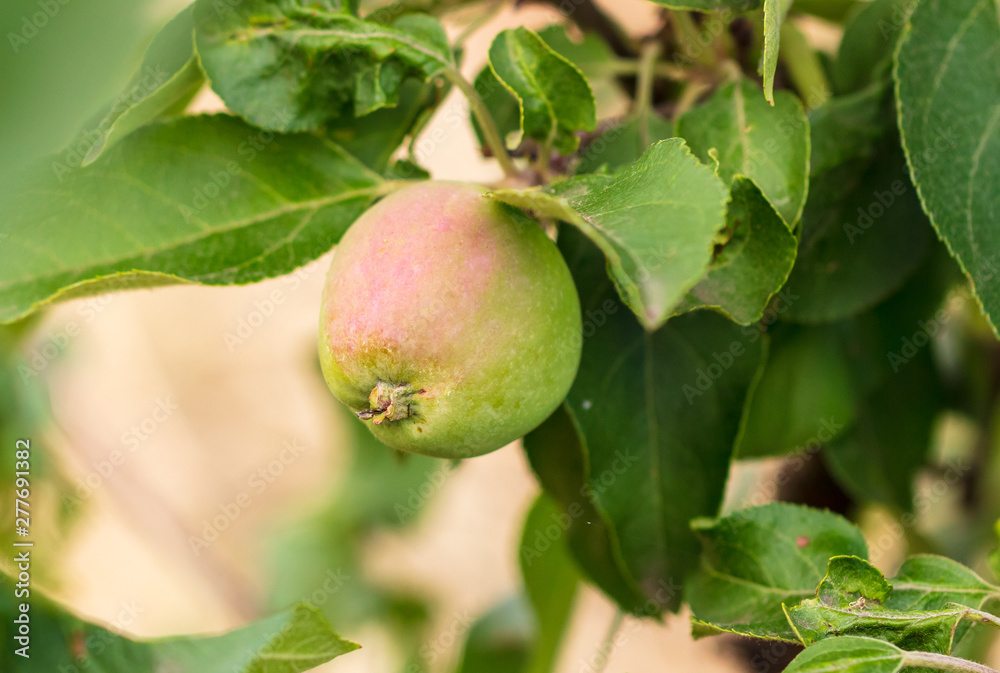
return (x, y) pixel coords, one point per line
(450, 323)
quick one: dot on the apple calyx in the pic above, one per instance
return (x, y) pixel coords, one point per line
(388, 402)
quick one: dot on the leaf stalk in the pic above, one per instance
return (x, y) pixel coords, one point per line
(486, 123)
(943, 662)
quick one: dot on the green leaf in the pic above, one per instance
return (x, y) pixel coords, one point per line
(865, 53)
(994, 559)
(774, 16)
(875, 342)
(755, 560)
(591, 54)
(550, 579)
(561, 463)
(168, 77)
(847, 128)
(863, 234)
(789, 411)
(850, 654)
(500, 640)
(201, 199)
(289, 66)
(296, 640)
(805, 67)
(854, 654)
(554, 97)
(502, 105)
(879, 457)
(832, 10)
(849, 602)
(753, 265)
(927, 582)
(949, 114)
(767, 143)
(849, 578)
(57, 72)
(861, 362)
(620, 145)
(655, 221)
(375, 137)
(658, 448)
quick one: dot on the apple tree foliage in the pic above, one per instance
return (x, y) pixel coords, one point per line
(784, 255)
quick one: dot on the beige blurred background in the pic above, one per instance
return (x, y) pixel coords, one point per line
(212, 412)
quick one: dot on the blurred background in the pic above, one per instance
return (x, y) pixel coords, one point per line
(196, 473)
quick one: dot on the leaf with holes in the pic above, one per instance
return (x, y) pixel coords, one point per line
(851, 599)
(293, 65)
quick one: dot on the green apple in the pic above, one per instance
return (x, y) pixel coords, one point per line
(450, 323)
